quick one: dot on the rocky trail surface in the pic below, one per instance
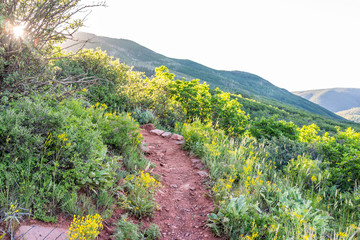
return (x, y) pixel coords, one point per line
(183, 199)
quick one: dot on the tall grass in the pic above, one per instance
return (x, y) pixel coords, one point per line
(256, 200)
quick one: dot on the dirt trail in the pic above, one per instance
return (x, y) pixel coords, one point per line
(183, 199)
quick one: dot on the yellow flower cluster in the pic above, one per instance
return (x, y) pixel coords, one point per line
(64, 138)
(272, 186)
(85, 228)
(254, 232)
(99, 105)
(222, 187)
(213, 149)
(252, 182)
(48, 140)
(144, 181)
(13, 208)
(342, 234)
(148, 180)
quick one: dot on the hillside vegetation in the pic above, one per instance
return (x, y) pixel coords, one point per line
(237, 82)
(70, 144)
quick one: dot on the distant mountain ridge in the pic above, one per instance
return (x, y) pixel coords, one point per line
(343, 101)
(333, 99)
(246, 84)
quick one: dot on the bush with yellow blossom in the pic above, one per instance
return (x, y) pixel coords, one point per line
(85, 228)
(140, 200)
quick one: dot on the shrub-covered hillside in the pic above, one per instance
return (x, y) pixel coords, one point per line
(70, 140)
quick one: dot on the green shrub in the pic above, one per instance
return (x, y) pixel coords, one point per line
(49, 149)
(270, 128)
(152, 232)
(227, 114)
(127, 230)
(341, 153)
(141, 189)
(143, 117)
(305, 172)
(110, 73)
(281, 150)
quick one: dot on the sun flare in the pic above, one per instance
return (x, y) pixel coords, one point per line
(19, 31)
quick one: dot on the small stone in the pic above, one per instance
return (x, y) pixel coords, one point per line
(203, 173)
(148, 127)
(195, 161)
(180, 142)
(199, 166)
(174, 186)
(157, 132)
(187, 234)
(177, 137)
(166, 134)
(144, 148)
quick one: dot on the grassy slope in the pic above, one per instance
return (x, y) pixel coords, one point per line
(249, 85)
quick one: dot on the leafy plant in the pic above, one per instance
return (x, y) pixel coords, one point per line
(270, 128)
(152, 232)
(127, 230)
(140, 200)
(12, 217)
(143, 117)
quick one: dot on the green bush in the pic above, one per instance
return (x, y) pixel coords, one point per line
(281, 150)
(305, 172)
(152, 232)
(270, 128)
(50, 149)
(127, 230)
(110, 74)
(140, 200)
(342, 152)
(143, 117)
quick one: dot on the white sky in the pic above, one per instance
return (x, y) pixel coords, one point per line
(295, 44)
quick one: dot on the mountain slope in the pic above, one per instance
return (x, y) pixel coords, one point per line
(246, 84)
(352, 114)
(333, 99)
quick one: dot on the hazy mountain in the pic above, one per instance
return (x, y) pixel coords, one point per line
(352, 114)
(247, 84)
(333, 99)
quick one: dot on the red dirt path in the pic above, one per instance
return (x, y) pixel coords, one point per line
(183, 199)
